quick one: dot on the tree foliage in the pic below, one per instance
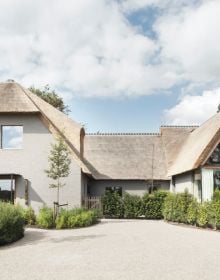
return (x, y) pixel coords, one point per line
(51, 97)
(59, 164)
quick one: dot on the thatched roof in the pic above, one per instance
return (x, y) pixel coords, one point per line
(121, 156)
(14, 98)
(197, 146)
(134, 156)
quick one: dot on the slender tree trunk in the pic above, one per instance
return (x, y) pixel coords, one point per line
(58, 196)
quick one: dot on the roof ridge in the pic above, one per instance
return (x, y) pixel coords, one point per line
(180, 126)
(123, 133)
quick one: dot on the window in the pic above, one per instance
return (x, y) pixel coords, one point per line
(114, 189)
(12, 137)
(7, 190)
(215, 157)
(216, 175)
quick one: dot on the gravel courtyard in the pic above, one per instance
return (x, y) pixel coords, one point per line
(114, 249)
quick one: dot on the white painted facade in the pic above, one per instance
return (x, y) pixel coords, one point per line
(30, 163)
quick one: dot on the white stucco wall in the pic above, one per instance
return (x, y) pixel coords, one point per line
(187, 181)
(97, 188)
(207, 184)
(183, 182)
(31, 162)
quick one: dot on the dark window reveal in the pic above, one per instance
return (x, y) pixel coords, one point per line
(7, 190)
(215, 157)
(114, 189)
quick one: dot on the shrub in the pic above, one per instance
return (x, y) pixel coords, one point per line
(132, 206)
(45, 218)
(168, 206)
(176, 207)
(76, 218)
(180, 207)
(62, 219)
(29, 216)
(203, 214)
(214, 214)
(192, 212)
(112, 205)
(11, 223)
(216, 196)
(153, 205)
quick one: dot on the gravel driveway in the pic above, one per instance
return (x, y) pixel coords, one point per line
(114, 249)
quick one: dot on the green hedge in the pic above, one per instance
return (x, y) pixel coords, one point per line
(11, 223)
(76, 218)
(130, 206)
(153, 205)
(45, 218)
(113, 206)
(183, 208)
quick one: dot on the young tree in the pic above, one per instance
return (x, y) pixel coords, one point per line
(59, 165)
(51, 97)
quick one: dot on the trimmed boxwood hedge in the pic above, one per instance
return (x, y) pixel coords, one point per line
(112, 204)
(11, 223)
(153, 205)
(150, 206)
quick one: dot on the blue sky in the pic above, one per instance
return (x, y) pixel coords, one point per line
(120, 65)
(142, 114)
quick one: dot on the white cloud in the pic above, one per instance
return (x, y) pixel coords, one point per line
(194, 109)
(89, 48)
(190, 39)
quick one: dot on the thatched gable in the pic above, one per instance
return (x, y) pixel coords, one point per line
(14, 100)
(197, 146)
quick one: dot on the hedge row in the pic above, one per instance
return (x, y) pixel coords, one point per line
(130, 206)
(73, 218)
(183, 208)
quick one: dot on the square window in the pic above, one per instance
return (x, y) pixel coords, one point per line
(12, 137)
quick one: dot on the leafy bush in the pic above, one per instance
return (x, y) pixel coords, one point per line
(11, 223)
(216, 196)
(192, 212)
(112, 205)
(132, 206)
(168, 206)
(214, 214)
(29, 216)
(45, 218)
(203, 215)
(62, 219)
(176, 207)
(153, 205)
(76, 218)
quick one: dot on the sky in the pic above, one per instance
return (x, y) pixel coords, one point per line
(120, 65)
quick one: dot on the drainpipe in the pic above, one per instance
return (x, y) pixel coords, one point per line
(12, 199)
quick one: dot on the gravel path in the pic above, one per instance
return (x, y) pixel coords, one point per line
(114, 249)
